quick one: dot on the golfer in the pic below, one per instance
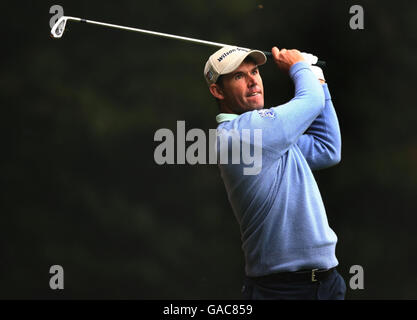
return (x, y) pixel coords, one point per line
(288, 245)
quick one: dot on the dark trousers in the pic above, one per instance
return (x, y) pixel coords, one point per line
(332, 287)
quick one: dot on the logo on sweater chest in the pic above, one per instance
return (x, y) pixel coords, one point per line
(266, 113)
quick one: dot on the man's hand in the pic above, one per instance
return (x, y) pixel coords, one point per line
(318, 73)
(309, 58)
(286, 58)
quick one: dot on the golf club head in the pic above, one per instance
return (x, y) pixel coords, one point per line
(59, 27)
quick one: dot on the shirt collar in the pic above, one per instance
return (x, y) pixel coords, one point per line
(222, 117)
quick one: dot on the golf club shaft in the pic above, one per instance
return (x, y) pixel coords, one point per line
(167, 35)
(159, 34)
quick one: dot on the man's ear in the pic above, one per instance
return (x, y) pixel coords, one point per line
(216, 91)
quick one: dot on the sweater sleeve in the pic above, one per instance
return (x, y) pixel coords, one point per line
(289, 121)
(321, 143)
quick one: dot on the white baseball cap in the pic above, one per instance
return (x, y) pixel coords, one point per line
(227, 60)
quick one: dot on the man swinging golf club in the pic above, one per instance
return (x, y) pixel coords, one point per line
(288, 245)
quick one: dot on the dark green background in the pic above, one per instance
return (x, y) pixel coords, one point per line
(80, 187)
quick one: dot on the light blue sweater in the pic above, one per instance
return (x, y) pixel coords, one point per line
(280, 211)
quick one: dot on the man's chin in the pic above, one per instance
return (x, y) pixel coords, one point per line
(250, 107)
(256, 107)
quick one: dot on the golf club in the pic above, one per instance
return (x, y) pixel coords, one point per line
(59, 27)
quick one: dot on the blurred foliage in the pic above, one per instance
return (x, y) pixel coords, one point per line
(81, 188)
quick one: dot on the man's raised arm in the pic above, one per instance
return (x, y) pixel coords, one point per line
(321, 143)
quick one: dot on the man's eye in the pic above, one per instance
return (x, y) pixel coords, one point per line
(238, 76)
(255, 71)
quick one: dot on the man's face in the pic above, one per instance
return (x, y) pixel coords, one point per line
(242, 90)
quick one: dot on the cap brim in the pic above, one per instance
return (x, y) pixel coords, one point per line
(257, 55)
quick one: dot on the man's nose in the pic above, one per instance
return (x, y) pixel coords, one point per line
(251, 80)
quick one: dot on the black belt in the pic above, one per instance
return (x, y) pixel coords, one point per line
(312, 275)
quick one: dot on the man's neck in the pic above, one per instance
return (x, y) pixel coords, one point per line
(226, 109)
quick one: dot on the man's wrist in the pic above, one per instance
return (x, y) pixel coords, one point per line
(297, 67)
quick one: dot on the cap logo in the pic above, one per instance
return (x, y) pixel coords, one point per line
(209, 75)
(225, 54)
